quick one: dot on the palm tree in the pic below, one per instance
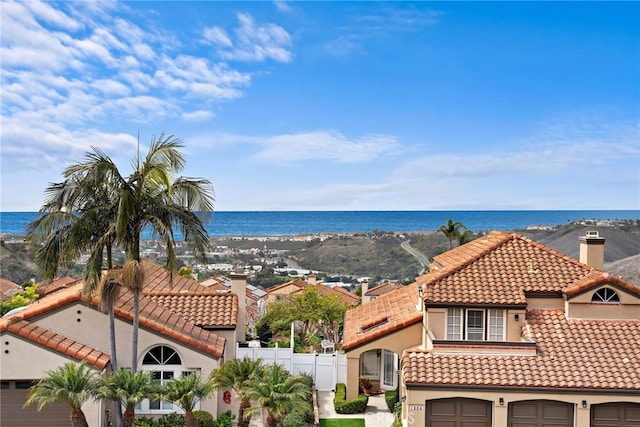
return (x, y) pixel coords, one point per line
(236, 374)
(128, 388)
(72, 383)
(186, 392)
(277, 393)
(97, 207)
(451, 230)
(465, 237)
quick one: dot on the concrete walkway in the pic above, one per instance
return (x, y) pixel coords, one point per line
(375, 415)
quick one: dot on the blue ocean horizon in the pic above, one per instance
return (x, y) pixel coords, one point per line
(282, 223)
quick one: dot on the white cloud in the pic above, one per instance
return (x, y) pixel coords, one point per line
(283, 6)
(324, 145)
(251, 42)
(198, 116)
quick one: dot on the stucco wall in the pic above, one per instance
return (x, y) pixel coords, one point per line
(397, 342)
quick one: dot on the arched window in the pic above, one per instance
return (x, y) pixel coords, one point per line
(166, 364)
(606, 295)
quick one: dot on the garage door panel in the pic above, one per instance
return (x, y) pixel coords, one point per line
(458, 412)
(540, 413)
(14, 415)
(623, 414)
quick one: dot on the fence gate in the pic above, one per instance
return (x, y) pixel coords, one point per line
(327, 369)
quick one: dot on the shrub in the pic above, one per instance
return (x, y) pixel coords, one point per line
(204, 418)
(167, 420)
(294, 419)
(391, 397)
(224, 420)
(352, 406)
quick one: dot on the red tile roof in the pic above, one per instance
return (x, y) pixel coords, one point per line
(398, 307)
(499, 269)
(597, 278)
(383, 289)
(571, 354)
(7, 289)
(153, 315)
(201, 308)
(300, 283)
(53, 341)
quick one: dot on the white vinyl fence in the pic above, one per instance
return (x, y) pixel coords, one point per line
(327, 369)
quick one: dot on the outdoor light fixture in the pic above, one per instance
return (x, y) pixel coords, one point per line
(584, 403)
(501, 400)
(517, 316)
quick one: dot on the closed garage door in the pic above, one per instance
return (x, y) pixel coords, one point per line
(540, 413)
(458, 413)
(13, 395)
(615, 415)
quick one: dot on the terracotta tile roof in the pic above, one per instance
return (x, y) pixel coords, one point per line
(350, 299)
(391, 311)
(383, 289)
(201, 308)
(47, 287)
(300, 283)
(597, 278)
(153, 315)
(571, 354)
(8, 288)
(499, 269)
(55, 342)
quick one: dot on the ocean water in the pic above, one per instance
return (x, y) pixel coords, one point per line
(280, 223)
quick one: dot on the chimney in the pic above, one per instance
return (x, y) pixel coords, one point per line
(364, 289)
(239, 287)
(592, 250)
(311, 279)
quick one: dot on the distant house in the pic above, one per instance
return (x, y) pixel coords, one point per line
(297, 285)
(504, 331)
(8, 289)
(184, 327)
(369, 294)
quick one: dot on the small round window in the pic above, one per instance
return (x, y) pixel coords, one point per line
(605, 295)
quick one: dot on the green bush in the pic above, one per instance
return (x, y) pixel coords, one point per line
(295, 419)
(224, 420)
(167, 420)
(204, 418)
(391, 397)
(352, 406)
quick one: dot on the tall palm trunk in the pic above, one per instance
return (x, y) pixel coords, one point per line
(78, 418)
(129, 417)
(134, 333)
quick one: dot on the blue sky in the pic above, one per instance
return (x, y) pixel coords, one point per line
(333, 105)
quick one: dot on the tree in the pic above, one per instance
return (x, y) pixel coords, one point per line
(465, 237)
(236, 375)
(72, 383)
(451, 230)
(128, 388)
(19, 299)
(311, 310)
(277, 393)
(186, 392)
(97, 207)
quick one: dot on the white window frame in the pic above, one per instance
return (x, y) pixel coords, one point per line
(493, 324)
(454, 324)
(177, 371)
(389, 370)
(496, 324)
(468, 330)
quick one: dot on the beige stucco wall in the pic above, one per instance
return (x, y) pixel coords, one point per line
(545, 303)
(581, 307)
(89, 326)
(410, 336)
(414, 407)
(22, 361)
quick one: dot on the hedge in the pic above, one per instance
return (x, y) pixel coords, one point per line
(391, 397)
(352, 406)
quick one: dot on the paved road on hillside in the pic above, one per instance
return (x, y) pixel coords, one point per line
(422, 259)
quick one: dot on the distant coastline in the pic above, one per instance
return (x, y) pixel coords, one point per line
(288, 223)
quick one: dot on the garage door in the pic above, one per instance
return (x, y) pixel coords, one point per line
(615, 415)
(13, 395)
(540, 413)
(458, 412)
